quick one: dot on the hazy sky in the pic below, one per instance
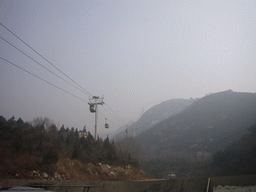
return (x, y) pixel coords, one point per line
(135, 53)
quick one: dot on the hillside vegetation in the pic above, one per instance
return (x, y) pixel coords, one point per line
(153, 116)
(39, 150)
(185, 143)
(239, 158)
(211, 136)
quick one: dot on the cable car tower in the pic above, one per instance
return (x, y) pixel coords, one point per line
(94, 101)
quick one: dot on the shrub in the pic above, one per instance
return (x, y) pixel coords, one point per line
(51, 157)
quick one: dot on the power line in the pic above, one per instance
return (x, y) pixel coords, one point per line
(43, 80)
(45, 59)
(42, 65)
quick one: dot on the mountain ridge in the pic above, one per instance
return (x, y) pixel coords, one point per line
(154, 115)
(208, 117)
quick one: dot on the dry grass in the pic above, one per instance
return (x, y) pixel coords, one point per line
(17, 166)
(21, 166)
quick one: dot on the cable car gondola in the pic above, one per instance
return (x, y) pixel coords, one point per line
(93, 108)
(106, 125)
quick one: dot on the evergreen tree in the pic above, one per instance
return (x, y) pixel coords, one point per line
(72, 130)
(76, 133)
(11, 121)
(18, 143)
(19, 122)
(62, 129)
(76, 150)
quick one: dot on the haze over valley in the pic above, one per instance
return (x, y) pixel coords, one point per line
(167, 86)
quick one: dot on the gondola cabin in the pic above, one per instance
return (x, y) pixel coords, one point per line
(93, 108)
(106, 126)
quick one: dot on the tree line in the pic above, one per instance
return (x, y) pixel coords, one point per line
(237, 159)
(42, 141)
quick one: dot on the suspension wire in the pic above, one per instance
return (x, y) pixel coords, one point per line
(34, 31)
(114, 122)
(45, 59)
(54, 86)
(39, 37)
(109, 119)
(42, 65)
(121, 123)
(116, 115)
(85, 91)
(44, 80)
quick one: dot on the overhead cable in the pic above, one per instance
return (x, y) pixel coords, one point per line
(34, 31)
(120, 124)
(85, 91)
(43, 80)
(116, 115)
(42, 65)
(45, 59)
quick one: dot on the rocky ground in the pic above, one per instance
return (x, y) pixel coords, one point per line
(67, 169)
(234, 189)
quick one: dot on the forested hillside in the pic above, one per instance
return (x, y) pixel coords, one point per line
(210, 124)
(155, 115)
(214, 135)
(239, 158)
(187, 140)
(40, 145)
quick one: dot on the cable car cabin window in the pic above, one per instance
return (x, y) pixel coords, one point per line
(93, 108)
(106, 126)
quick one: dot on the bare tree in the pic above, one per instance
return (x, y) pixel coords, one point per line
(130, 146)
(45, 122)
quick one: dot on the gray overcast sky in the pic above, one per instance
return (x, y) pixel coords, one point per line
(135, 53)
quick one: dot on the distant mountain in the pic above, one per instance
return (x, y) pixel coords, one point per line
(210, 124)
(154, 115)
